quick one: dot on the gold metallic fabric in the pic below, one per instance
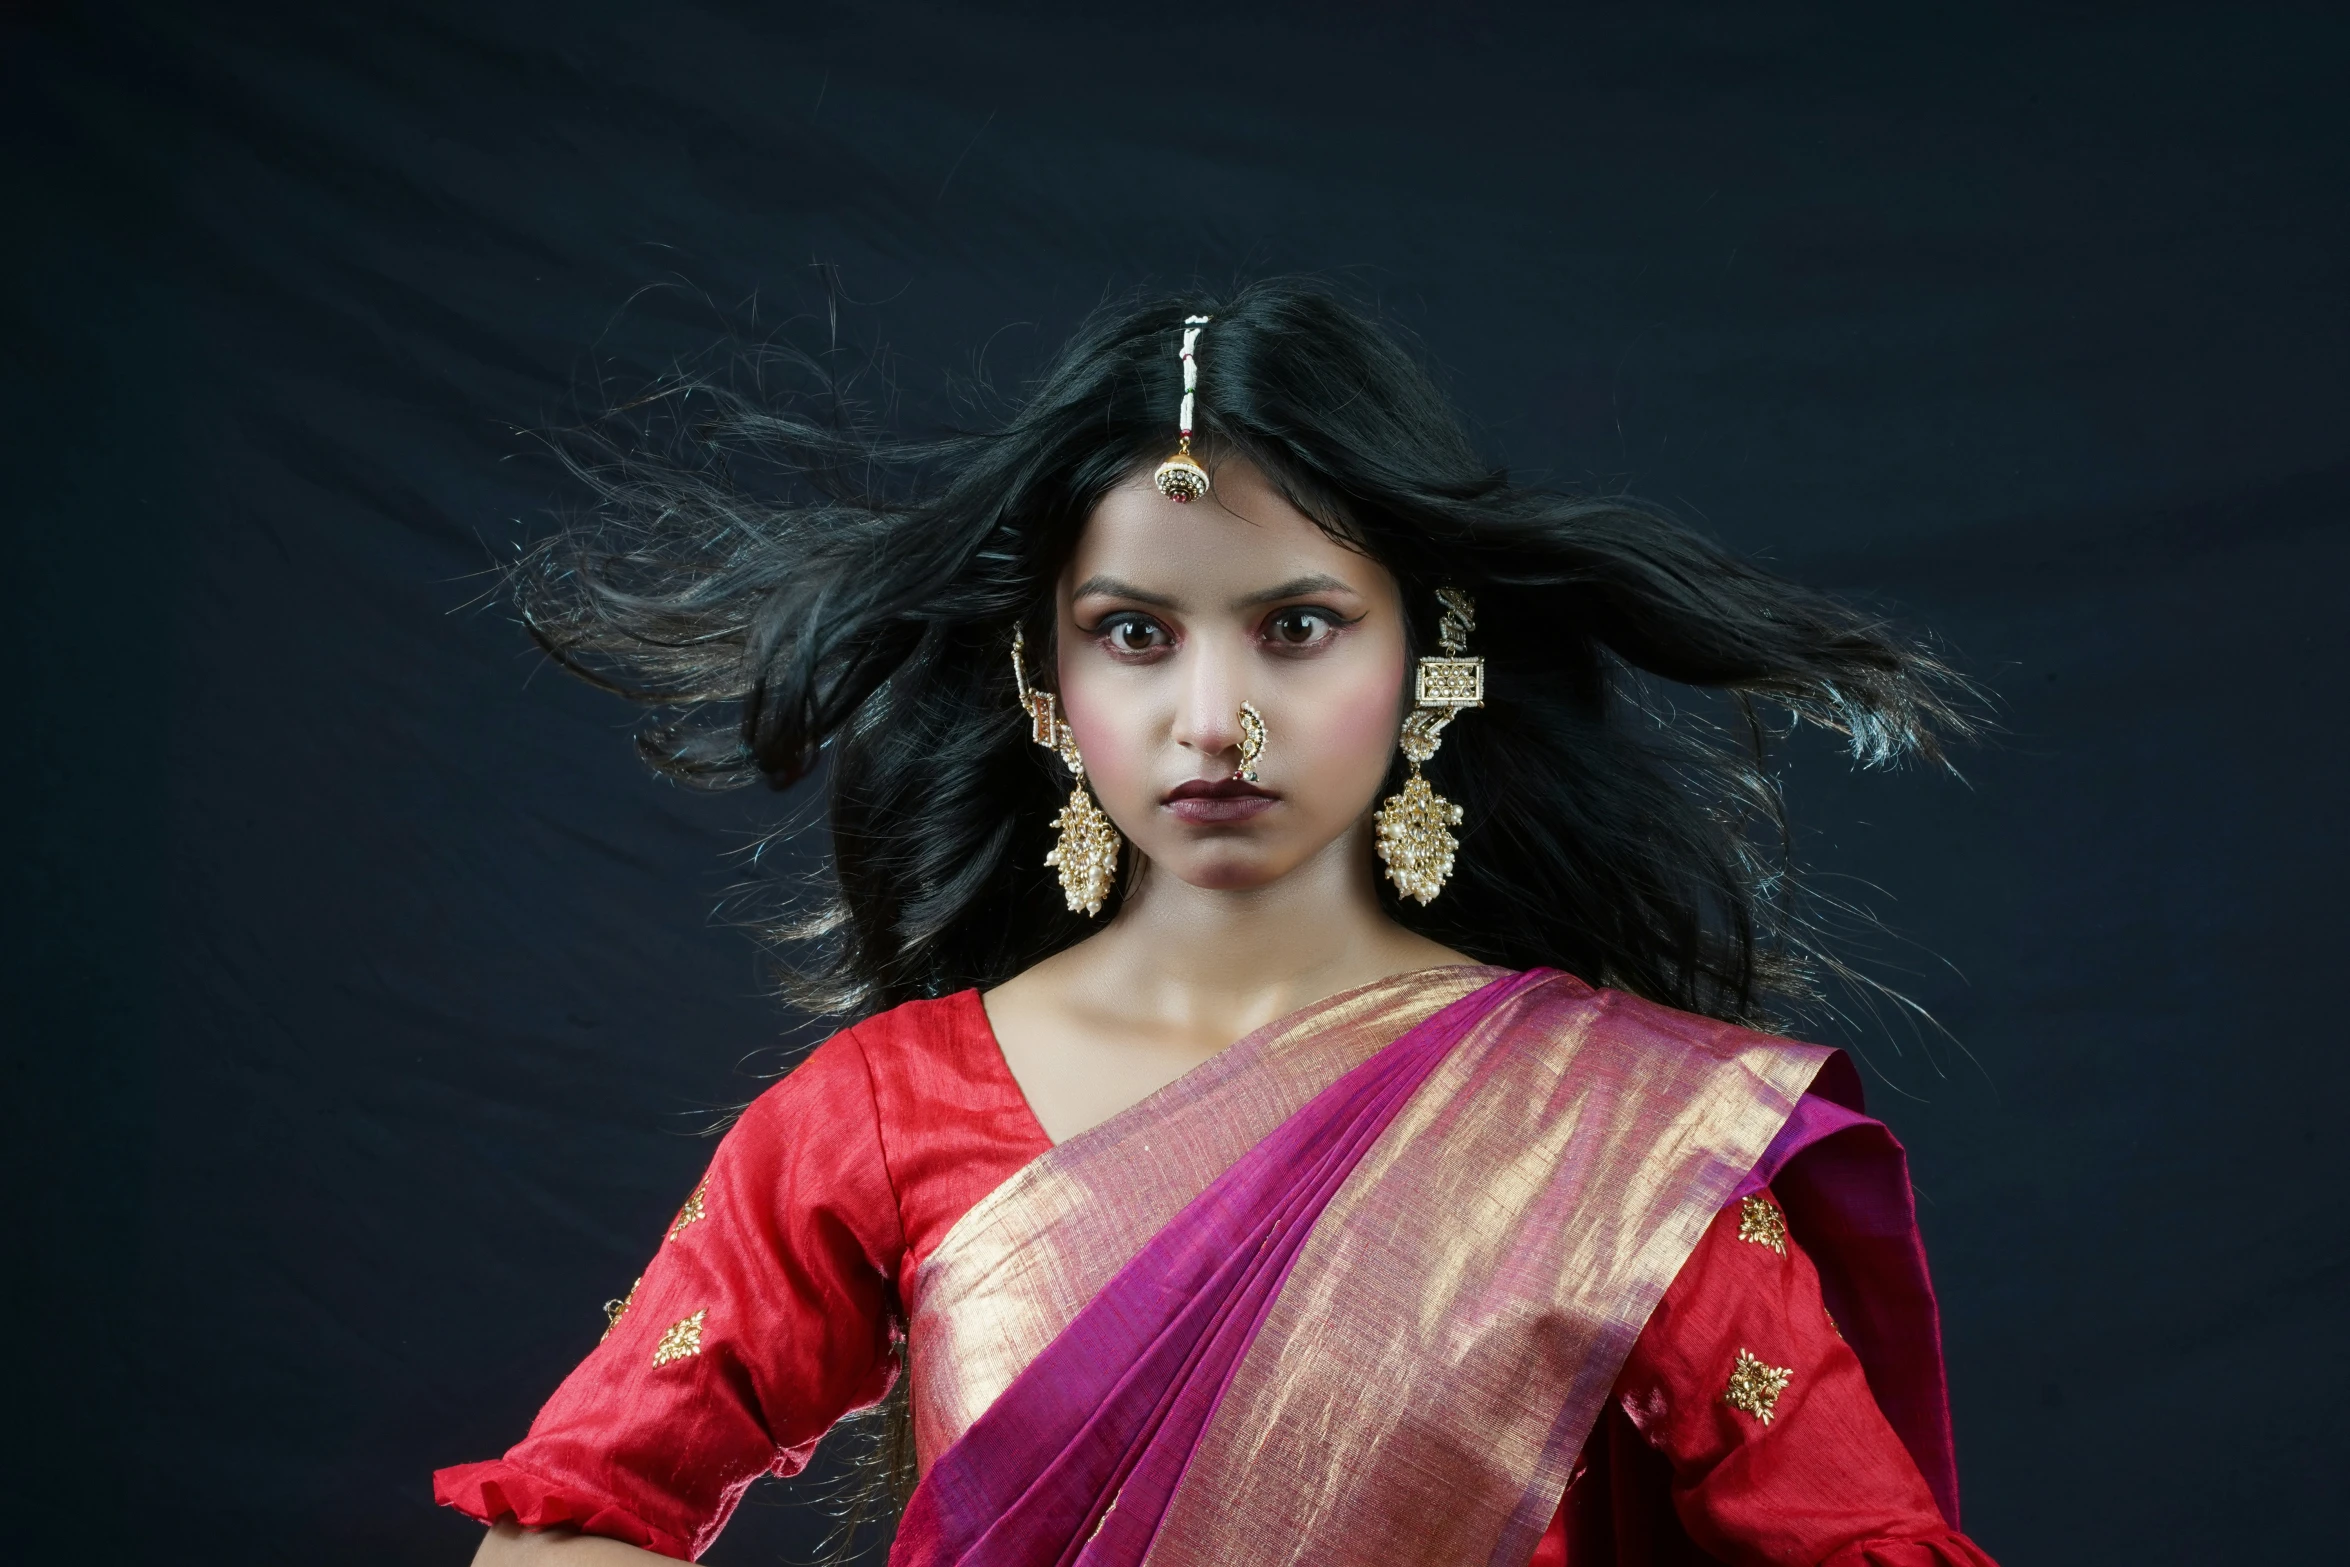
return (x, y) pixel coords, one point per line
(1014, 1270)
(1420, 1390)
(1421, 1387)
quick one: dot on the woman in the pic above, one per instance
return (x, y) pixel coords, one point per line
(1336, 1128)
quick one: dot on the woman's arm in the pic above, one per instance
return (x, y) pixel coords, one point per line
(762, 1319)
(510, 1545)
(1779, 1452)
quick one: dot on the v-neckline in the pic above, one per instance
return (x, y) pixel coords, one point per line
(1002, 1063)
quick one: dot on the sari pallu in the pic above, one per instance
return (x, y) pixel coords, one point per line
(1368, 1276)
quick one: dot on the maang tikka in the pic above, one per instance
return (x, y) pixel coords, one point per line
(1086, 853)
(1180, 477)
(1415, 822)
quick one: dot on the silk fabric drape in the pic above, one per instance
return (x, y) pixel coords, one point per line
(1434, 1357)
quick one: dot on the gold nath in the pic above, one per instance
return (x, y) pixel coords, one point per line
(1252, 742)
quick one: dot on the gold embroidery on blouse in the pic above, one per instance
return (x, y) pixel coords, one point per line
(1755, 1387)
(682, 1339)
(614, 1310)
(1831, 1316)
(692, 1209)
(1762, 1224)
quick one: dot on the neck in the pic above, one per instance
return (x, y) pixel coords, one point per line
(1224, 961)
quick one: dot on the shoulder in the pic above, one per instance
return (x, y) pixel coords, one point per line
(914, 1062)
(921, 1051)
(844, 1081)
(1670, 1025)
(952, 1123)
(1655, 1028)
(862, 1059)
(1613, 1041)
(941, 1026)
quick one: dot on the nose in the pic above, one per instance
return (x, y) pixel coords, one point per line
(1207, 718)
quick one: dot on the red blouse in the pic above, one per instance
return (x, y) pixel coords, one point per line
(765, 1316)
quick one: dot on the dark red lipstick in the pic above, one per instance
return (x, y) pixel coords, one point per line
(1217, 801)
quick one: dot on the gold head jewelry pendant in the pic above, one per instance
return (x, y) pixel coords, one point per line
(1180, 478)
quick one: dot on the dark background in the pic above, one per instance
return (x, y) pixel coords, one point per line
(363, 999)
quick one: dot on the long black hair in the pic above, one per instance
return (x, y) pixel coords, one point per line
(801, 591)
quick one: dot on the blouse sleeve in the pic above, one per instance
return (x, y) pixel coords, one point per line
(1778, 1450)
(763, 1317)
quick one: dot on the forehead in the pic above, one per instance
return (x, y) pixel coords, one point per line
(1241, 536)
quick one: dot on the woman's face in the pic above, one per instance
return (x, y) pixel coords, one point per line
(1171, 616)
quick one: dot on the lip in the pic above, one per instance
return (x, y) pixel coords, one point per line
(1218, 801)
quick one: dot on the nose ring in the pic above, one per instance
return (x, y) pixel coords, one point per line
(1252, 742)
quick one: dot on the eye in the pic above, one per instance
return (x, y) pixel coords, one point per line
(1131, 633)
(1300, 626)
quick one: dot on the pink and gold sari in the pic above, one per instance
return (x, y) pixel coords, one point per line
(1360, 1285)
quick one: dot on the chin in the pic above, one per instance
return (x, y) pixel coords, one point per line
(1213, 872)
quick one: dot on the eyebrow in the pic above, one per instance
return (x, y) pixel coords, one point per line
(1112, 587)
(1295, 587)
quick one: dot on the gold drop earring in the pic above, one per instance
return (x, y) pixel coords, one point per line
(1415, 822)
(1086, 853)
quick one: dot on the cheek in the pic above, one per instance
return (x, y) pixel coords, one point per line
(1113, 734)
(1352, 732)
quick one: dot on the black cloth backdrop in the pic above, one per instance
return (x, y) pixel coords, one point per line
(364, 998)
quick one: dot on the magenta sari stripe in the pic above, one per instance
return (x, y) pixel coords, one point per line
(1075, 1462)
(1843, 1180)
